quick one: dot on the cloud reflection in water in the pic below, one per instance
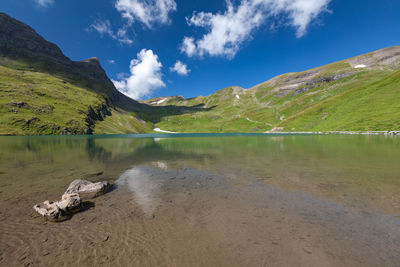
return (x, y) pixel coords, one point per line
(145, 186)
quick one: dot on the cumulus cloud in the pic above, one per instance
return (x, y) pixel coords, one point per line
(180, 68)
(44, 3)
(148, 12)
(145, 76)
(227, 31)
(188, 46)
(103, 27)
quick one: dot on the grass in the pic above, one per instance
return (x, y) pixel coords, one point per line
(122, 122)
(363, 101)
(37, 103)
(371, 107)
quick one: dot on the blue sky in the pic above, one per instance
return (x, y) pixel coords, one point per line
(171, 47)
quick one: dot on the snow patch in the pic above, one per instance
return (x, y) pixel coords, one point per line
(361, 66)
(162, 131)
(161, 101)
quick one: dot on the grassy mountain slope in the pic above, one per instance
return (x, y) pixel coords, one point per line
(122, 122)
(44, 92)
(39, 103)
(371, 107)
(357, 94)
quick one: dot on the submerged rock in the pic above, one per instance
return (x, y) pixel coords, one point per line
(87, 189)
(71, 200)
(59, 210)
(49, 210)
(70, 203)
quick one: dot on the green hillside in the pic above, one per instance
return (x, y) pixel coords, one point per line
(39, 103)
(44, 92)
(358, 94)
(366, 107)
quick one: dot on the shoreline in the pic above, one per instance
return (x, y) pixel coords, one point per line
(162, 132)
(341, 132)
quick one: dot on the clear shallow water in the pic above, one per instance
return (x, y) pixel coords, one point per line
(195, 200)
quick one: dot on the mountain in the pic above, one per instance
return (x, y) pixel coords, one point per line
(44, 92)
(356, 94)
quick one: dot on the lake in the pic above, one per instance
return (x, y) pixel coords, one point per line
(205, 200)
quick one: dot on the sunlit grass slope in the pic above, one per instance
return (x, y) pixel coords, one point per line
(37, 103)
(366, 107)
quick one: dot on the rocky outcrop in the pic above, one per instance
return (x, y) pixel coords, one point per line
(97, 114)
(384, 58)
(71, 200)
(321, 80)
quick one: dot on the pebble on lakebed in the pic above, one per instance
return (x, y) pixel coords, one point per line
(71, 200)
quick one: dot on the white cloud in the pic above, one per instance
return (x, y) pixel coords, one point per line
(188, 46)
(227, 31)
(180, 68)
(103, 27)
(148, 12)
(44, 3)
(111, 61)
(145, 76)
